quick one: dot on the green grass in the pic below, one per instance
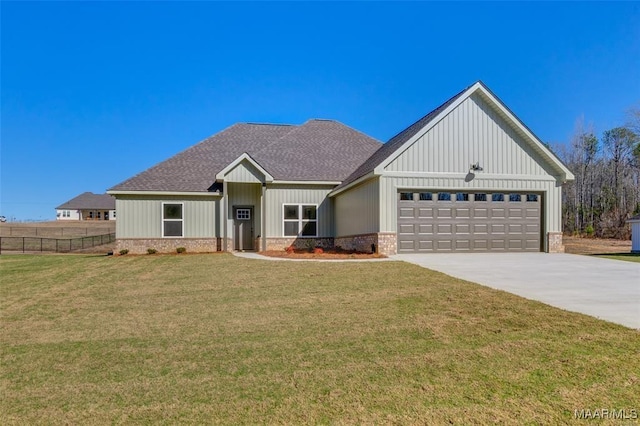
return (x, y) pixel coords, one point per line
(219, 339)
(629, 257)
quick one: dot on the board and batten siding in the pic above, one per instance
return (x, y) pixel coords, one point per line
(279, 194)
(358, 210)
(245, 172)
(472, 132)
(141, 216)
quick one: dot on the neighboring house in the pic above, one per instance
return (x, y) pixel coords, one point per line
(469, 176)
(88, 206)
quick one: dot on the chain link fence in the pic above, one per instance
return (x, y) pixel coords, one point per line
(56, 245)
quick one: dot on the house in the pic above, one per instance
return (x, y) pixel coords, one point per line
(468, 176)
(635, 233)
(88, 206)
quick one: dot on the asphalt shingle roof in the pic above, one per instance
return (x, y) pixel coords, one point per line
(90, 201)
(323, 150)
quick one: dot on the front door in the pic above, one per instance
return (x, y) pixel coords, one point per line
(243, 228)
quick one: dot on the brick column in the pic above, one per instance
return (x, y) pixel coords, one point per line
(554, 242)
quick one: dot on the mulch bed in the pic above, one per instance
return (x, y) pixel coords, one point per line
(326, 254)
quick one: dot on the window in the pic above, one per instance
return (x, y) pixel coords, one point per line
(532, 198)
(300, 220)
(426, 196)
(497, 197)
(461, 196)
(90, 215)
(514, 198)
(444, 196)
(243, 214)
(406, 196)
(172, 219)
(480, 197)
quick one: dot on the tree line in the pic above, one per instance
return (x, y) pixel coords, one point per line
(606, 189)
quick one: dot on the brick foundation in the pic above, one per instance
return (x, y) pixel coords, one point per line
(168, 245)
(383, 243)
(554, 242)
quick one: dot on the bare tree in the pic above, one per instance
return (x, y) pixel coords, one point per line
(606, 190)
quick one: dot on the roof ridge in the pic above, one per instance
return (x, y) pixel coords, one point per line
(268, 124)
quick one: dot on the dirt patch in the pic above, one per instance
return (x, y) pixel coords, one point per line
(327, 254)
(577, 245)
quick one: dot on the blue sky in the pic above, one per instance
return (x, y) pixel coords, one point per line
(93, 93)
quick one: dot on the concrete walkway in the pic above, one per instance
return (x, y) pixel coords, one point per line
(603, 288)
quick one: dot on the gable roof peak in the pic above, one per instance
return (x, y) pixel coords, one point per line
(387, 151)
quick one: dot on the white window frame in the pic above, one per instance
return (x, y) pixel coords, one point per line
(299, 220)
(162, 221)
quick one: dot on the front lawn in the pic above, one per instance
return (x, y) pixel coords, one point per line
(629, 257)
(219, 339)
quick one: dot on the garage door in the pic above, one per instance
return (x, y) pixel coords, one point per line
(467, 222)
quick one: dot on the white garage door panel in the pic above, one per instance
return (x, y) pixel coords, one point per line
(456, 222)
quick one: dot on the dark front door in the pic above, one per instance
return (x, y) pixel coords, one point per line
(243, 228)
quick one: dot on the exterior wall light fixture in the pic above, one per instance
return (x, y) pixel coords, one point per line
(475, 167)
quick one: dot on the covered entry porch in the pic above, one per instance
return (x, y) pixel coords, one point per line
(244, 189)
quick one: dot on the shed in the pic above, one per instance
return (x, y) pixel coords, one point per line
(635, 234)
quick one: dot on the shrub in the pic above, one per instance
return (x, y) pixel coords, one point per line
(151, 251)
(181, 250)
(123, 252)
(310, 245)
(318, 250)
(589, 230)
(290, 249)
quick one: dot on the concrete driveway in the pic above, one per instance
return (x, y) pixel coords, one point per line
(603, 288)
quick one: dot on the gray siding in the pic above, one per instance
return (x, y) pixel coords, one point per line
(279, 194)
(473, 132)
(245, 172)
(358, 210)
(141, 216)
